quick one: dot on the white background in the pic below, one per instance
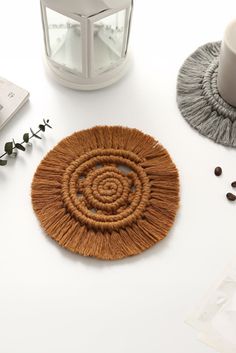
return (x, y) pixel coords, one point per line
(52, 301)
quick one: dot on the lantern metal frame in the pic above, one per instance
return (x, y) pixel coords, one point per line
(88, 79)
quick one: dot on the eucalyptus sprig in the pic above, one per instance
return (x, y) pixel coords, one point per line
(12, 147)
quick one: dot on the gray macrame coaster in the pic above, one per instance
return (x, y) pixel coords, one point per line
(199, 100)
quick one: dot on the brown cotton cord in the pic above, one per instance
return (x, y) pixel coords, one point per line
(106, 192)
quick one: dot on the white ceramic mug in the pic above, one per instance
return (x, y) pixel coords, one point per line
(227, 66)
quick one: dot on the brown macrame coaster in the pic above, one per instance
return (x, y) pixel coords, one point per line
(107, 192)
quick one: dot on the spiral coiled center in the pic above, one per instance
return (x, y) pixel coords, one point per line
(106, 188)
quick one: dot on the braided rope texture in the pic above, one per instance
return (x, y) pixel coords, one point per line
(199, 100)
(106, 192)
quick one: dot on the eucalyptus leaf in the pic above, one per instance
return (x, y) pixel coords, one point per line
(26, 137)
(8, 147)
(3, 162)
(20, 147)
(42, 127)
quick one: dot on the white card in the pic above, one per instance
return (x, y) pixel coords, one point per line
(12, 98)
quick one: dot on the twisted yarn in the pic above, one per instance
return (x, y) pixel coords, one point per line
(199, 100)
(108, 192)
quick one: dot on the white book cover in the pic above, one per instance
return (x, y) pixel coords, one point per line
(12, 98)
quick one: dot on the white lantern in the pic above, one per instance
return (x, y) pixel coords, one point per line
(87, 40)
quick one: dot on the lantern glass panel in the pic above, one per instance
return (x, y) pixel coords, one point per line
(109, 35)
(65, 41)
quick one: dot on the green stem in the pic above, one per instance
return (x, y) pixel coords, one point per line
(22, 143)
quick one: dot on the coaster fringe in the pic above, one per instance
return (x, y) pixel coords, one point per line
(199, 100)
(143, 201)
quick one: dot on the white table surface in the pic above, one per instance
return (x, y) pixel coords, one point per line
(52, 301)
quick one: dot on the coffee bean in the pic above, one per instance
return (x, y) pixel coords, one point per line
(233, 184)
(218, 171)
(231, 197)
